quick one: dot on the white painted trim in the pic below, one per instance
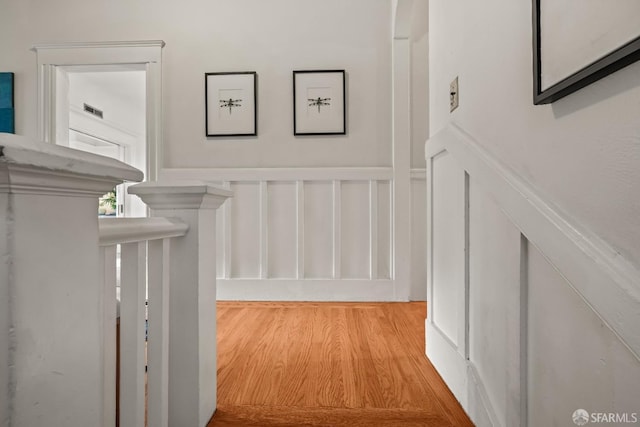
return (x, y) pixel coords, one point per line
(451, 365)
(263, 205)
(607, 282)
(149, 52)
(108, 276)
(159, 260)
(306, 290)
(128, 230)
(132, 339)
(180, 195)
(429, 174)
(300, 230)
(401, 184)
(402, 19)
(461, 377)
(482, 412)
(418, 173)
(30, 154)
(107, 44)
(373, 230)
(337, 230)
(227, 210)
(278, 174)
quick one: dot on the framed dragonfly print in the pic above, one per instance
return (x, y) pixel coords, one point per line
(577, 42)
(319, 102)
(231, 104)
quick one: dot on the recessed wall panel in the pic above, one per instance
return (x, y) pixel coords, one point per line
(448, 231)
(494, 304)
(418, 290)
(318, 229)
(220, 239)
(384, 230)
(355, 229)
(575, 361)
(281, 229)
(245, 230)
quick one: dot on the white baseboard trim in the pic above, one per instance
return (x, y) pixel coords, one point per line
(357, 290)
(461, 377)
(450, 364)
(479, 405)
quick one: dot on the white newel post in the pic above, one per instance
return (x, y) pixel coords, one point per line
(51, 301)
(192, 306)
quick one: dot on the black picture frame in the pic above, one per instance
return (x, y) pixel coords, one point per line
(620, 57)
(243, 83)
(334, 120)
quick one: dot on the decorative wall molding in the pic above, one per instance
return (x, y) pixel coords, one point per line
(419, 173)
(306, 290)
(279, 174)
(598, 273)
(318, 234)
(520, 222)
(147, 52)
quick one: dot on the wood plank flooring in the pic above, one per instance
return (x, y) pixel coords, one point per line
(328, 364)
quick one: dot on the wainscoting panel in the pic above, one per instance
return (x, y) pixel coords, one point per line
(245, 230)
(319, 230)
(384, 233)
(550, 312)
(581, 364)
(418, 289)
(494, 306)
(355, 219)
(448, 290)
(304, 234)
(282, 230)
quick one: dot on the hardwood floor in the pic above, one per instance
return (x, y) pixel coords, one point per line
(328, 364)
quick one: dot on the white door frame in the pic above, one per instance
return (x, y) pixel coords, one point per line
(148, 53)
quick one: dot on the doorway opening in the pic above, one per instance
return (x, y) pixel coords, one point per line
(59, 63)
(102, 110)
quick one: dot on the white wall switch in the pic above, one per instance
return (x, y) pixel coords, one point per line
(453, 95)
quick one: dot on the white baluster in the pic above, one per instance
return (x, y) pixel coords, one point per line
(109, 283)
(192, 348)
(158, 334)
(132, 357)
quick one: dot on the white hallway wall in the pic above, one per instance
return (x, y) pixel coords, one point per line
(272, 38)
(530, 326)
